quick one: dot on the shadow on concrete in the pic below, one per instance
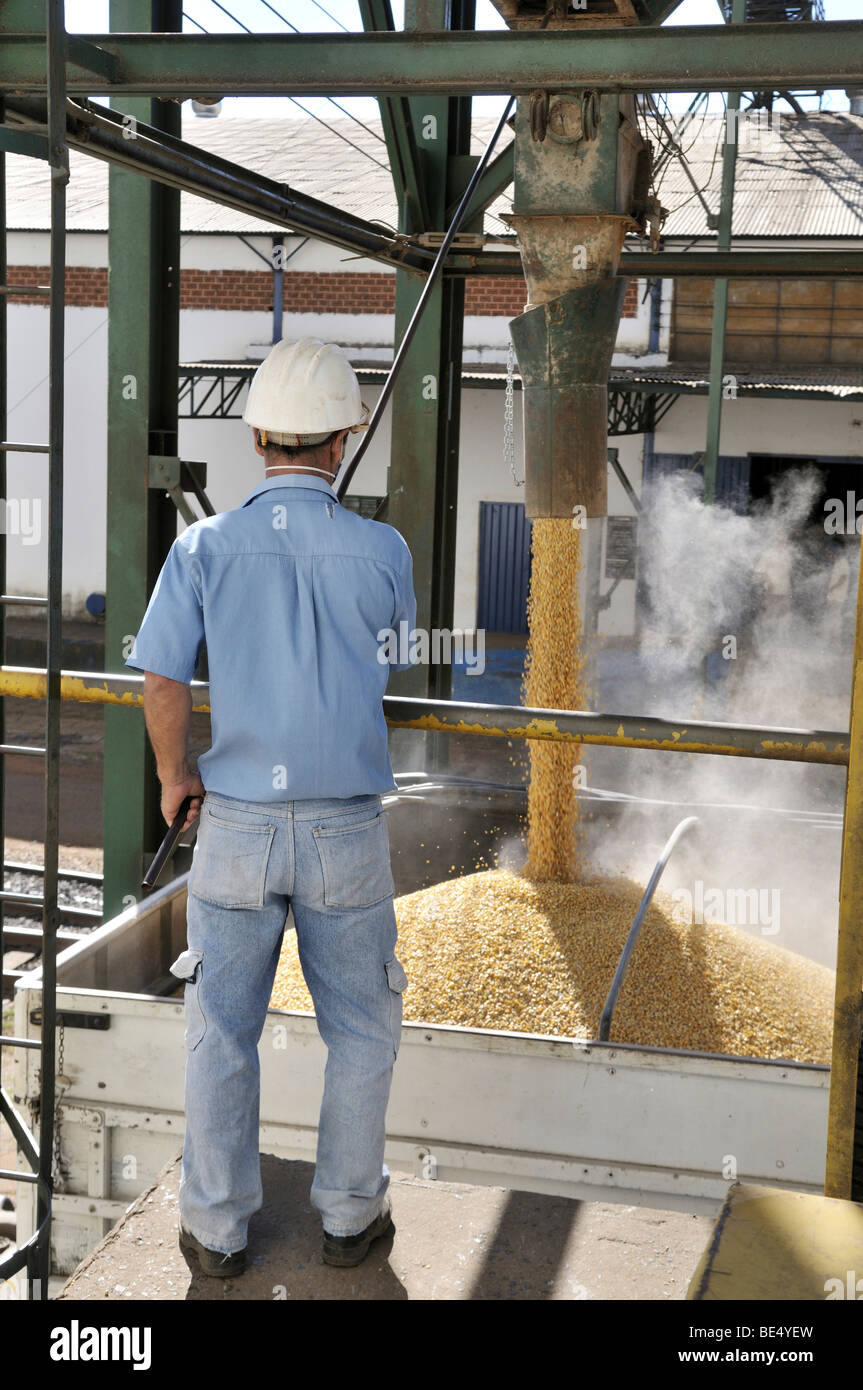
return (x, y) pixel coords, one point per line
(527, 1251)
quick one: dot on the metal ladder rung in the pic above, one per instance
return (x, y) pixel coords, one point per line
(20, 937)
(18, 1176)
(19, 866)
(14, 600)
(7, 447)
(22, 748)
(67, 910)
(7, 1040)
(25, 289)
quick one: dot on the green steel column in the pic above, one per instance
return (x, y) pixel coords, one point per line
(720, 288)
(143, 355)
(426, 399)
(460, 166)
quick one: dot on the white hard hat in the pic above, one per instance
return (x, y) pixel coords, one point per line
(304, 391)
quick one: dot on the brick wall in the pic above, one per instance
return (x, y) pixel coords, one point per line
(336, 292)
(630, 300)
(85, 285)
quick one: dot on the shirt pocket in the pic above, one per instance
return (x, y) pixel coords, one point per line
(355, 862)
(230, 864)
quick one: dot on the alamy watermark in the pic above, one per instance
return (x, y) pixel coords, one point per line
(759, 129)
(844, 516)
(740, 907)
(22, 516)
(439, 646)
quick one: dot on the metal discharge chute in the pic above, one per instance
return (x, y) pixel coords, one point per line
(582, 172)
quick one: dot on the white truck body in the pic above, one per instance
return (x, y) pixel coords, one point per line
(594, 1121)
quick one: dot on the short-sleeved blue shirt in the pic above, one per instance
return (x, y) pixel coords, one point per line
(290, 592)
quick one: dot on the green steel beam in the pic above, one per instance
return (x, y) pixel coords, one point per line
(22, 17)
(88, 56)
(143, 355)
(459, 169)
(24, 142)
(413, 475)
(423, 481)
(404, 157)
(673, 59)
(743, 264)
(710, 458)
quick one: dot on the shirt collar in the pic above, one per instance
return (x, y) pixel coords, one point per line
(305, 481)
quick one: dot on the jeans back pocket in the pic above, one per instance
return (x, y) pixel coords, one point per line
(355, 862)
(231, 857)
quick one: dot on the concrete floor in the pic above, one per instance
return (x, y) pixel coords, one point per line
(452, 1242)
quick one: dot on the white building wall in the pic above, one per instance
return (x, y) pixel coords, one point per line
(85, 449)
(775, 426)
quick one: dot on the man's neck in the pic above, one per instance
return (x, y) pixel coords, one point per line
(303, 472)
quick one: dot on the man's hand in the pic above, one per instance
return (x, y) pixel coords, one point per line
(174, 793)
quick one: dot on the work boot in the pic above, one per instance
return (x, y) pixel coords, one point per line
(213, 1262)
(347, 1251)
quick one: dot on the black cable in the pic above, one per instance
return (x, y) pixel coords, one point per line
(331, 16)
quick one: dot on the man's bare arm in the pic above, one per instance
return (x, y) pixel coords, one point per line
(167, 711)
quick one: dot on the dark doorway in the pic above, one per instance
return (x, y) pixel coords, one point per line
(504, 567)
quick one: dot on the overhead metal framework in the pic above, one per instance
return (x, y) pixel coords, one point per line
(709, 58)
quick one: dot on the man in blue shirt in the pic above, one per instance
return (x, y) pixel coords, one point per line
(292, 595)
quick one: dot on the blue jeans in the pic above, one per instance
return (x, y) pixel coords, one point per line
(330, 861)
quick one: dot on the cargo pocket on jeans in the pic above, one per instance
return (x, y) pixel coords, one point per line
(187, 967)
(355, 862)
(231, 857)
(397, 981)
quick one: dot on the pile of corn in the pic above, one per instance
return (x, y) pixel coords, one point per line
(495, 950)
(554, 676)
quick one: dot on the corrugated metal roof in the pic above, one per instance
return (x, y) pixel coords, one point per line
(841, 383)
(803, 178)
(799, 176)
(301, 152)
(838, 382)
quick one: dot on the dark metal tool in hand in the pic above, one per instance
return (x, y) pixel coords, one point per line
(167, 847)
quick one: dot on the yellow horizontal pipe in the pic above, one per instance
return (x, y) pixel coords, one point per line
(25, 684)
(83, 688)
(546, 729)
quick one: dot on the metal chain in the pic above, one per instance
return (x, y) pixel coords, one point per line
(60, 1174)
(508, 416)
